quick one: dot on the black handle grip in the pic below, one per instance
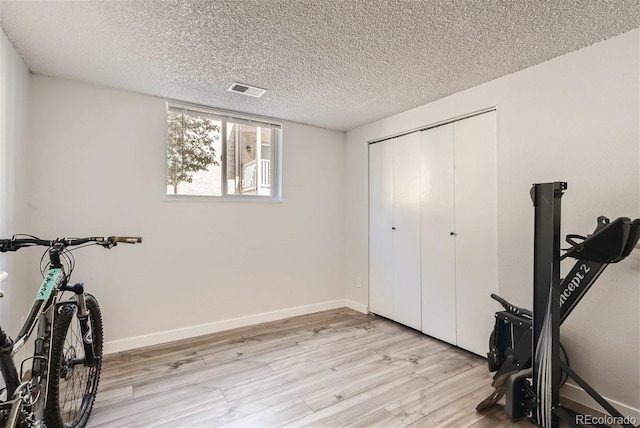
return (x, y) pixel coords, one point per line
(512, 309)
(500, 300)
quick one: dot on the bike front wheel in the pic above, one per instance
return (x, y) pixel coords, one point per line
(71, 384)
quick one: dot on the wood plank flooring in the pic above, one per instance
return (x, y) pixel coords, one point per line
(336, 368)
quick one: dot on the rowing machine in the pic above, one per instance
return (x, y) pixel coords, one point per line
(525, 349)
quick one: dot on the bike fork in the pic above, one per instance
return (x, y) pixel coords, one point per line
(85, 325)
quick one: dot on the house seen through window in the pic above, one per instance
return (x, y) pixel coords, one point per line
(211, 154)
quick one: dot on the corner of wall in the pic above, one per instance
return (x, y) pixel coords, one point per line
(357, 220)
(14, 96)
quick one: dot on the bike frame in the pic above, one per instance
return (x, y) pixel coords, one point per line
(42, 314)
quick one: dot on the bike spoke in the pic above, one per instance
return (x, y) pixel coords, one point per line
(76, 383)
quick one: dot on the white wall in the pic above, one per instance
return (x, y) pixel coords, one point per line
(97, 167)
(576, 119)
(14, 93)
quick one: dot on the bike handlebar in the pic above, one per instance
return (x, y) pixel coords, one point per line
(14, 244)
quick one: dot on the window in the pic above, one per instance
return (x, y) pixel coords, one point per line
(216, 154)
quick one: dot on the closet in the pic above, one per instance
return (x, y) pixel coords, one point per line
(433, 230)
(395, 218)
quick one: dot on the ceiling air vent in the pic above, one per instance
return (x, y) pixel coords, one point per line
(249, 90)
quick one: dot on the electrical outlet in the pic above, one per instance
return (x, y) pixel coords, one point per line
(359, 282)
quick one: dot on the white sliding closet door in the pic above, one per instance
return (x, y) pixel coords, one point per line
(406, 233)
(433, 230)
(438, 245)
(476, 229)
(381, 234)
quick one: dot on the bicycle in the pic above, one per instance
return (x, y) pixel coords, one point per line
(60, 388)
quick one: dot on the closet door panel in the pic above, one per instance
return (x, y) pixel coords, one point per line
(438, 245)
(406, 236)
(476, 230)
(380, 224)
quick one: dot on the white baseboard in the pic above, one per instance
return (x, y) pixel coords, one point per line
(357, 306)
(577, 394)
(114, 346)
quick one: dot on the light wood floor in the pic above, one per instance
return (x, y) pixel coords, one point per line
(337, 368)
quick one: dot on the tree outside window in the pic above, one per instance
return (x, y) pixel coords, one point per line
(191, 148)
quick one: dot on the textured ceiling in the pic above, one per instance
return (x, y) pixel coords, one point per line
(331, 63)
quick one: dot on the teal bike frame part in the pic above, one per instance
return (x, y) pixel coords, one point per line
(51, 279)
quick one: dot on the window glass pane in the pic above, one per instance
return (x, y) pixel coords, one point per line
(193, 155)
(216, 154)
(248, 159)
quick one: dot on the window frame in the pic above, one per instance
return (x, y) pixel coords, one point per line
(225, 116)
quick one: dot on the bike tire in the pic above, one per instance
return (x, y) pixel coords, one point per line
(72, 386)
